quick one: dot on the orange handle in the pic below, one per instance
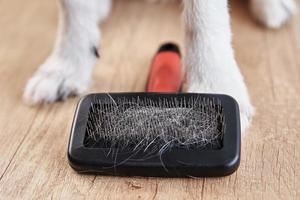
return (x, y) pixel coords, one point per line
(165, 74)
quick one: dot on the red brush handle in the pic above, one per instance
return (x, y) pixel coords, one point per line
(165, 74)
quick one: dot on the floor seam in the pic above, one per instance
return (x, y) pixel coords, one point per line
(22, 141)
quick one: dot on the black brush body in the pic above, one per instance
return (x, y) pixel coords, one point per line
(165, 150)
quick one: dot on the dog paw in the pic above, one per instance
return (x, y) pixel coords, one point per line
(55, 80)
(273, 13)
(229, 83)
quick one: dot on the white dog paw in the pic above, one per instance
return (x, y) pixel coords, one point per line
(231, 84)
(55, 80)
(273, 13)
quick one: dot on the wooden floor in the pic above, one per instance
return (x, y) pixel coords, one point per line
(33, 140)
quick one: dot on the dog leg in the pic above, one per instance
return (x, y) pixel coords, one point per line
(68, 69)
(209, 61)
(273, 13)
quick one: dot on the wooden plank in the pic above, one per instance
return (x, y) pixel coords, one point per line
(17, 63)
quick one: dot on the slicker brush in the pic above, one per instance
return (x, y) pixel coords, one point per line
(160, 132)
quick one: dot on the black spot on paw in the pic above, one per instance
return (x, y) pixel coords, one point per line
(95, 52)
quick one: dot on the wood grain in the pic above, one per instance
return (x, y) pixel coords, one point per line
(33, 144)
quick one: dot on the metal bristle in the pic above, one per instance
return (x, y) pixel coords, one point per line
(144, 123)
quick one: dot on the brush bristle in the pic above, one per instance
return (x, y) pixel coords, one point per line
(137, 123)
